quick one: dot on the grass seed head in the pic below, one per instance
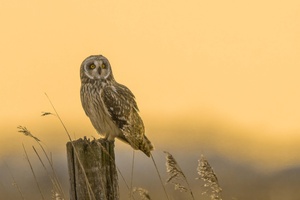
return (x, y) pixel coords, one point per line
(208, 175)
(26, 132)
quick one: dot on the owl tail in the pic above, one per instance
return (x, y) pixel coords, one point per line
(142, 144)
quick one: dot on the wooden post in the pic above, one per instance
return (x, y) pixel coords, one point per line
(92, 170)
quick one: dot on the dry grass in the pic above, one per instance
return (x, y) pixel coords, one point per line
(176, 177)
(144, 194)
(26, 132)
(15, 184)
(175, 174)
(208, 175)
(33, 173)
(53, 177)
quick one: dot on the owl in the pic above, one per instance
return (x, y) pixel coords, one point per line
(111, 106)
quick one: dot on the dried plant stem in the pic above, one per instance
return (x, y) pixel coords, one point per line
(27, 158)
(162, 184)
(131, 178)
(92, 195)
(15, 183)
(56, 113)
(55, 182)
(53, 171)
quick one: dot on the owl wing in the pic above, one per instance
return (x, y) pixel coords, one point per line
(119, 102)
(121, 105)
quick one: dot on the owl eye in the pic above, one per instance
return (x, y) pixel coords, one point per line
(92, 66)
(103, 66)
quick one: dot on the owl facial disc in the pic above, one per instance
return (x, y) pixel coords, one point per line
(97, 67)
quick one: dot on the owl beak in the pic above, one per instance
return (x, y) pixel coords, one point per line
(99, 70)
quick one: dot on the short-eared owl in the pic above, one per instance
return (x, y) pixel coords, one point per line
(111, 106)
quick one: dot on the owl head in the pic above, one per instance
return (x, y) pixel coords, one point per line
(95, 68)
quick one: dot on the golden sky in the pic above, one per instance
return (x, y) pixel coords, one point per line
(232, 66)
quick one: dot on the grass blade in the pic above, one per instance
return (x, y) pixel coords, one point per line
(156, 168)
(131, 178)
(14, 183)
(33, 173)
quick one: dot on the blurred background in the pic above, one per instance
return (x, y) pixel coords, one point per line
(218, 78)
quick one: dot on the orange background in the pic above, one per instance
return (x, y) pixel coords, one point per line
(223, 74)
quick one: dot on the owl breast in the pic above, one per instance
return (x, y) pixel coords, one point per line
(95, 109)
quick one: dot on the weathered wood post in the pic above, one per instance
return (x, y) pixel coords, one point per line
(92, 170)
